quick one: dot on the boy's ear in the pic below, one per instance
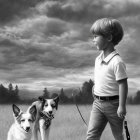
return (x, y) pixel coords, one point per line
(109, 38)
(16, 110)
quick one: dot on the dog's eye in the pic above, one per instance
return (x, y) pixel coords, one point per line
(46, 104)
(53, 105)
(22, 120)
(30, 120)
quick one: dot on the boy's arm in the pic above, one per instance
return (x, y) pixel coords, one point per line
(123, 90)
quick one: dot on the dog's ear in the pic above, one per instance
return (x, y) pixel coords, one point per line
(41, 99)
(56, 100)
(16, 110)
(33, 112)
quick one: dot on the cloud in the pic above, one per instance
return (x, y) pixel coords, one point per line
(129, 47)
(10, 10)
(47, 43)
(90, 10)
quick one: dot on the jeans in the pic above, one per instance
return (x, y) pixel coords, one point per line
(104, 112)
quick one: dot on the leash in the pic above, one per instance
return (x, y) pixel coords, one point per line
(74, 99)
(126, 130)
(125, 122)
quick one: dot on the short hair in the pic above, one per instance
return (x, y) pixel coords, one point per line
(106, 27)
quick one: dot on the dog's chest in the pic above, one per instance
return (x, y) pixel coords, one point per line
(45, 122)
(22, 136)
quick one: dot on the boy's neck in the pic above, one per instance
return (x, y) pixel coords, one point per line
(108, 50)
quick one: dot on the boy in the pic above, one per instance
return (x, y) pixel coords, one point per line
(110, 90)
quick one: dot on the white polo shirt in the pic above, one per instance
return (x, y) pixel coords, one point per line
(106, 74)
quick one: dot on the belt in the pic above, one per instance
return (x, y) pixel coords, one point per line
(107, 98)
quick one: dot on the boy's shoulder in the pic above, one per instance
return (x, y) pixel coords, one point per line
(117, 59)
(111, 56)
(114, 58)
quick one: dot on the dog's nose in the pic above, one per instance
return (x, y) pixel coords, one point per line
(27, 129)
(50, 112)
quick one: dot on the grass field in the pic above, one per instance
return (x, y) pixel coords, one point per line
(68, 125)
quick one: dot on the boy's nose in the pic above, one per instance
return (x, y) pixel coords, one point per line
(93, 40)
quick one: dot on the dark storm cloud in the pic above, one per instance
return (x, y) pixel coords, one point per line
(89, 10)
(55, 56)
(9, 9)
(54, 27)
(47, 42)
(129, 47)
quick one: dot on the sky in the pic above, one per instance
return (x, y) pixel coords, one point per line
(47, 43)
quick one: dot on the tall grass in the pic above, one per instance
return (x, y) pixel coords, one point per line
(68, 125)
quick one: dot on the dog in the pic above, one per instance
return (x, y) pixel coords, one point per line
(21, 129)
(46, 109)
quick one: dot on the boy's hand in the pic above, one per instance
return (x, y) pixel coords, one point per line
(121, 112)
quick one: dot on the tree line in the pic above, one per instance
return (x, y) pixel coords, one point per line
(134, 99)
(83, 95)
(69, 96)
(9, 94)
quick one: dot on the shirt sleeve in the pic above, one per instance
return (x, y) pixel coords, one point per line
(120, 71)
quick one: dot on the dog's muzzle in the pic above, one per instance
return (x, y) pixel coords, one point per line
(48, 115)
(27, 129)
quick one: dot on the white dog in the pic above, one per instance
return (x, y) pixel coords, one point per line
(21, 129)
(46, 109)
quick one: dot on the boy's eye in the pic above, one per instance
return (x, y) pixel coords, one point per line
(94, 36)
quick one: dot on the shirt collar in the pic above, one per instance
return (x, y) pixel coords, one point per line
(108, 58)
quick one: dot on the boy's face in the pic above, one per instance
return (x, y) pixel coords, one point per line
(100, 42)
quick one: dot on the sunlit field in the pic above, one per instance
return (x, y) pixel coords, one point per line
(68, 125)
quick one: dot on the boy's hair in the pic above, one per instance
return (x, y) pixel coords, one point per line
(107, 27)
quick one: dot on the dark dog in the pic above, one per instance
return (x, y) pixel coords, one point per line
(46, 109)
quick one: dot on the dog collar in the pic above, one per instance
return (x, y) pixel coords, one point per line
(46, 119)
